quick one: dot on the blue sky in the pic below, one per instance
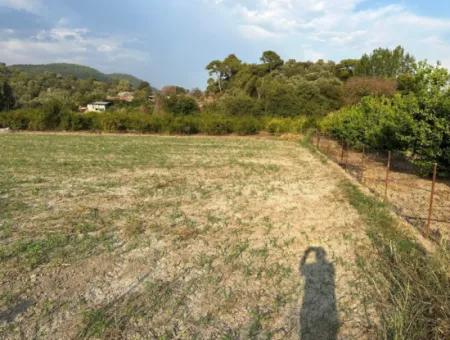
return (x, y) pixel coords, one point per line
(171, 41)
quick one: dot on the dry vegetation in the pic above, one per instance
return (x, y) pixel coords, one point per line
(408, 191)
(178, 237)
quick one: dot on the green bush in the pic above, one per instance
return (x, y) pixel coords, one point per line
(381, 123)
(278, 125)
(16, 120)
(420, 129)
(180, 105)
(73, 121)
(184, 125)
(238, 103)
(215, 124)
(246, 125)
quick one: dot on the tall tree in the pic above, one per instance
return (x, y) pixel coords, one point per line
(7, 99)
(272, 60)
(383, 62)
(216, 68)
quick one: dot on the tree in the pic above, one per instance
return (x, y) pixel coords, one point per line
(272, 60)
(383, 62)
(231, 66)
(144, 85)
(7, 99)
(216, 68)
(346, 68)
(181, 105)
(358, 87)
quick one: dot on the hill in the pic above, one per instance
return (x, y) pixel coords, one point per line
(119, 76)
(79, 71)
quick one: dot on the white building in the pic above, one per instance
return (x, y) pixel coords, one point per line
(98, 106)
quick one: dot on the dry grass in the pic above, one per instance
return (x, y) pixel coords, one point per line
(137, 237)
(408, 191)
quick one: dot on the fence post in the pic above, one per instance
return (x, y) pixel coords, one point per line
(430, 211)
(388, 168)
(318, 140)
(342, 151)
(362, 162)
(346, 157)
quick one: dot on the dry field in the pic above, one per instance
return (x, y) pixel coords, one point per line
(176, 237)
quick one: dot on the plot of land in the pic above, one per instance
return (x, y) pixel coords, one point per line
(141, 237)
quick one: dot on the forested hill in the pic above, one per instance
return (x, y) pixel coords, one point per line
(78, 71)
(134, 81)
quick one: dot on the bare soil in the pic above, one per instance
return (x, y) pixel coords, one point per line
(178, 237)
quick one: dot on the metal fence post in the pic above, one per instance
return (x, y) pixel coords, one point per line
(430, 211)
(388, 168)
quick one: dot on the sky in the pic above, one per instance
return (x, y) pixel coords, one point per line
(169, 42)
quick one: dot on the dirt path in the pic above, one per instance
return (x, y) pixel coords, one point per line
(237, 237)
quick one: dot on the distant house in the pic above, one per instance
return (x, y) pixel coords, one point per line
(98, 106)
(125, 96)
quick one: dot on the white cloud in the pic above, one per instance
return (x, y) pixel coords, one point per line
(338, 27)
(26, 5)
(64, 44)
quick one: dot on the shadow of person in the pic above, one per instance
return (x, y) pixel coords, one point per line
(318, 316)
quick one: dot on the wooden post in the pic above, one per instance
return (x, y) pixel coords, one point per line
(362, 162)
(318, 140)
(430, 211)
(346, 158)
(342, 151)
(388, 168)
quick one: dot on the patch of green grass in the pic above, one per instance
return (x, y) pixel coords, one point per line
(35, 252)
(410, 285)
(96, 321)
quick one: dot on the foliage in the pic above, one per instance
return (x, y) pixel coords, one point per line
(237, 103)
(358, 87)
(246, 125)
(180, 105)
(381, 123)
(383, 62)
(7, 99)
(274, 87)
(416, 122)
(76, 71)
(215, 124)
(74, 85)
(186, 125)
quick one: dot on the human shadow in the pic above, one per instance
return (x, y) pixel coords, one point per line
(318, 315)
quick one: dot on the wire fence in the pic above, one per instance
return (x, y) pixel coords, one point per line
(424, 201)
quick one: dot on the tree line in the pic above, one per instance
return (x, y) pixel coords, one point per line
(385, 100)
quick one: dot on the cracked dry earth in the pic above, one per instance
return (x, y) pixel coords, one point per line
(176, 237)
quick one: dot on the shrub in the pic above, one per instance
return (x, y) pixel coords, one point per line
(246, 125)
(73, 121)
(16, 120)
(215, 124)
(380, 123)
(180, 105)
(238, 103)
(278, 125)
(184, 125)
